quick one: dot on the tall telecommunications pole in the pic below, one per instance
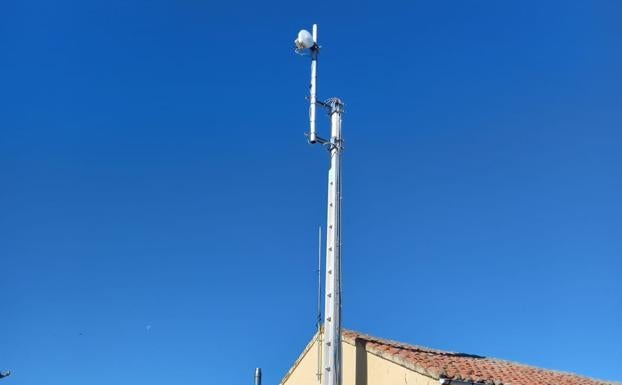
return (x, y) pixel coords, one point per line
(307, 42)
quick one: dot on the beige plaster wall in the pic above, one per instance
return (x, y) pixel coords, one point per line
(360, 367)
(305, 368)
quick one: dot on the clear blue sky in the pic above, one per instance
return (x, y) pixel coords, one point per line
(159, 204)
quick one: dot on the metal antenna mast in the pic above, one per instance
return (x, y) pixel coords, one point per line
(319, 304)
(332, 363)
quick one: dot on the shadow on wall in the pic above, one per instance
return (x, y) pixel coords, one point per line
(361, 362)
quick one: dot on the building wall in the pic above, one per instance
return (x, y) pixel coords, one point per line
(304, 370)
(360, 367)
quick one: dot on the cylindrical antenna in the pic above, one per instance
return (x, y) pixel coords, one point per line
(313, 87)
(258, 376)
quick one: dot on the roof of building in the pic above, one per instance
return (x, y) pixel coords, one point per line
(464, 367)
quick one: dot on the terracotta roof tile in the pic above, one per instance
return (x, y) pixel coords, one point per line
(466, 367)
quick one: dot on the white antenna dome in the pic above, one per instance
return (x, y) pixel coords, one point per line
(304, 39)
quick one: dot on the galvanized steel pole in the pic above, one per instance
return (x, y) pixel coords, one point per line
(331, 343)
(312, 88)
(332, 304)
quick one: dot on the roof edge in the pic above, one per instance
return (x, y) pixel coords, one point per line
(350, 337)
(351, 340)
